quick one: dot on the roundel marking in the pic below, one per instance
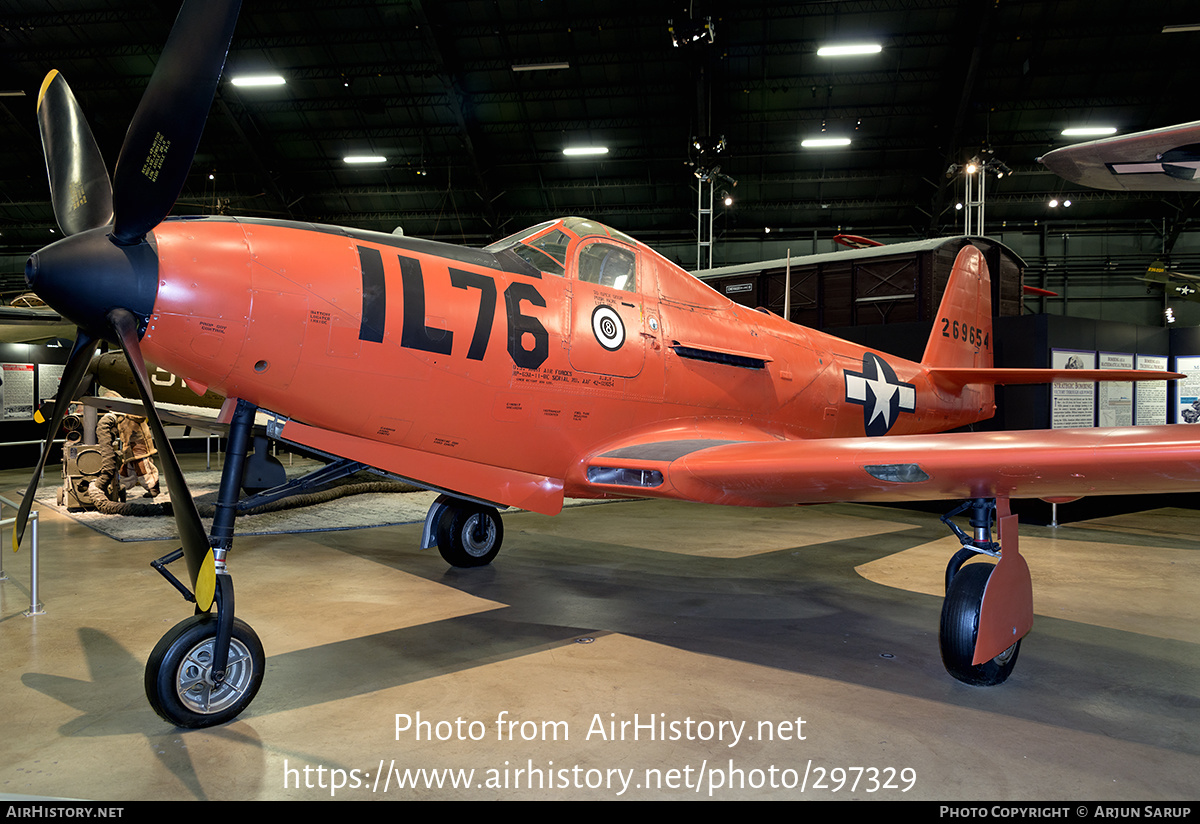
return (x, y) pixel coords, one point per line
(608, 328)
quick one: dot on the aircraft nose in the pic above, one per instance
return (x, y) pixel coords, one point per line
(85, 275)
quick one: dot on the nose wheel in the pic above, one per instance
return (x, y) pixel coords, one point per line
(208, 667)
(183, 687)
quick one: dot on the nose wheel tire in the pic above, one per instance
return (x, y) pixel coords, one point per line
(960, 628)
(179, 681)
(470, 535)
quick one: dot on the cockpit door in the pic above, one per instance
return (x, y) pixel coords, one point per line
(609, 322)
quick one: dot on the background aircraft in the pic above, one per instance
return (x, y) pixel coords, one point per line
(568, 359)
(1174, 284)
(112, 371)
(27, 319)
(1159, 160)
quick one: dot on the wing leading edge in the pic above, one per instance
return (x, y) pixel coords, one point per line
(1024, 464)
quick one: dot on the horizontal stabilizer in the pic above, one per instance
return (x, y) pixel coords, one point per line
(956, 378)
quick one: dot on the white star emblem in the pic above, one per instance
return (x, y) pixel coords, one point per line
(882, 395)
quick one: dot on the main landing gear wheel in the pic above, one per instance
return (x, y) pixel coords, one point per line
(469, 535)
(179, 673)
(960, 627)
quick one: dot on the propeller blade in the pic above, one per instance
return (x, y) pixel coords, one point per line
(162, 138)
(196, 550)
(79, 186)
(73, 374)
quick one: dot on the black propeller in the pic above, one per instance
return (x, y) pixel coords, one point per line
(77, 363)
(79, 184)
(104, 276)
(162, 138)
(196, 549)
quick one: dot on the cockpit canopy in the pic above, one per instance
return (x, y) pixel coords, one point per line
(547, 246)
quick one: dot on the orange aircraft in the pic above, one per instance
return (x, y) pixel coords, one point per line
(568, 359)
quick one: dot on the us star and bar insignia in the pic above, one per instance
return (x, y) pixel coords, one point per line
(883, 396)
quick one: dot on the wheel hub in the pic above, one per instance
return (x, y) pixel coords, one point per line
(199, 691)
(478, 535)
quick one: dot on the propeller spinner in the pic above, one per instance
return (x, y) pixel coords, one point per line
(104, 275)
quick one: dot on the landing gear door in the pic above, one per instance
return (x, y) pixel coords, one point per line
(609, 317)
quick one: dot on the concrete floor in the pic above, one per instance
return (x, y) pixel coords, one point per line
(699, 618)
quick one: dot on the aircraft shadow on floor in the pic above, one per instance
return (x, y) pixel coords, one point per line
(803, 609)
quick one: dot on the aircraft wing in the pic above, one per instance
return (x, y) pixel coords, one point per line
(1050, 463)
(26, 325)
(1157, 273)
(1160, 160)
(198, 417)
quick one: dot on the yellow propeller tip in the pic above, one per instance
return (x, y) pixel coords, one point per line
(206, 582)
(45, 85)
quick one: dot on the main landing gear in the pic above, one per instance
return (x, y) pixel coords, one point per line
(988, 608)
(208, 668)
(467, 534)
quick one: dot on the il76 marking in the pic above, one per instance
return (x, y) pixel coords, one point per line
(414, 334)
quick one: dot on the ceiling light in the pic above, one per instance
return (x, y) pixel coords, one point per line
(578, 151)
(1084, 131)
(849, 49)
(364, 159)
(539, 67)
(824, 142)
(258, 80)
(1053, 203)
(1176, 29)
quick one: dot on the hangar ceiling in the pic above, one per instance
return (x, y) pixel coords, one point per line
(474, 148)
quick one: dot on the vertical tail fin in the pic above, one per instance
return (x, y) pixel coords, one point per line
(958, 356)
(962, 328)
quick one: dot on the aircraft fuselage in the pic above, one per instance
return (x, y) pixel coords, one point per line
(473, 355)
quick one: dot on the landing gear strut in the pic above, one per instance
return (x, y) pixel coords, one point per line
(208, 668)
(988, 608)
